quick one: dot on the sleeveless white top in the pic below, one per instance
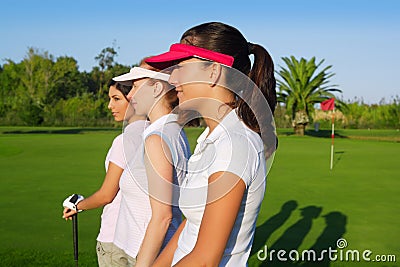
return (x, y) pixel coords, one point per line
(135, 211)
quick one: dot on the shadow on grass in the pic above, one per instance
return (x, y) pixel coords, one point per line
(61, 131)
(264, 231)
(321, 133)
(294, 235)
(338, 157)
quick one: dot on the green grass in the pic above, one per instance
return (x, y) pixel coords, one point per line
(363, 187)
(40, 170)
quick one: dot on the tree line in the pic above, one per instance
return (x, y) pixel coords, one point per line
(49, 91)
(356, 114)
(42, 90)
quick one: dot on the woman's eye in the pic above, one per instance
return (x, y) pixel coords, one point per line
(176, 67)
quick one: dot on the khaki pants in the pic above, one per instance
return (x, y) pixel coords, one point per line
(109, 254)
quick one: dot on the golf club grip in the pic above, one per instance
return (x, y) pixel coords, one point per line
(74, 198)
(75, 235)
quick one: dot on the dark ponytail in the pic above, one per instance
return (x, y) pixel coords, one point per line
(262, 73)
(226, 39)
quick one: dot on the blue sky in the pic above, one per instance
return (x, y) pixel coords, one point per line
(359, 38)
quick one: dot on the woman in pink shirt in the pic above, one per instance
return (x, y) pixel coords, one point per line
(108, 195)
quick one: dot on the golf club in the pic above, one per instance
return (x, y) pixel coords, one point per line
(75, 230)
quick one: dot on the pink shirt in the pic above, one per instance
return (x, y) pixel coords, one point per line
(116, 155)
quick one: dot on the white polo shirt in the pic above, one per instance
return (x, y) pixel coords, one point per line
(234, 148)
(135, 211)
(116, 155)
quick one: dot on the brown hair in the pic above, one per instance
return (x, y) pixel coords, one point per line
(225, 39)
(124, 89)
(170, 95)
(184, 117)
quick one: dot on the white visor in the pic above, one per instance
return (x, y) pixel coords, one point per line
(139, 73)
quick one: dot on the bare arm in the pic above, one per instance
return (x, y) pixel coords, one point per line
(167, 255)
(218, 220)
(160, 177)
(104, 195)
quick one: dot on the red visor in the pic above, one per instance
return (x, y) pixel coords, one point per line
(183, 51)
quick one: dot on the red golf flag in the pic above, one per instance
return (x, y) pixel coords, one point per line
(328, 104)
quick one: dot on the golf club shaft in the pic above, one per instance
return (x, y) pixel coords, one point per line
(75, 234)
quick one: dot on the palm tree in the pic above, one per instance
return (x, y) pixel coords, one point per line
(301, 86)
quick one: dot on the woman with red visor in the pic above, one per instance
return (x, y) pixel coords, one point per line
(225, 185)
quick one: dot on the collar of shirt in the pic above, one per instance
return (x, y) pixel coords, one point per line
(160, 122)
(226, 125)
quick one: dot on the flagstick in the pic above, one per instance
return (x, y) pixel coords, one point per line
(333, 136)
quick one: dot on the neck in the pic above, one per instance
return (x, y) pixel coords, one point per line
(214, 109)
(158, 111)
(136, 118)
(213, 117)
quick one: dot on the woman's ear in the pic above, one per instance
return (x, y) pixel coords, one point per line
(215, 73)
(158, 88)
